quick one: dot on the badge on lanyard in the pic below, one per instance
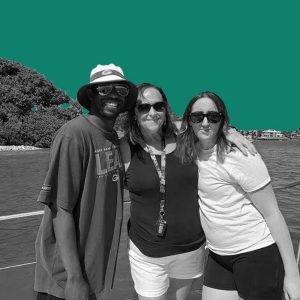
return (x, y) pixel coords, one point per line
(161, 224)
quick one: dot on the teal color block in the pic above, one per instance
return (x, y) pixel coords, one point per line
(245, 51)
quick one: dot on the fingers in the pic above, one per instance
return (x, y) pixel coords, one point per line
(247, 146)
(228, 149)
(286, 296)
(242, 147)
(251, 148)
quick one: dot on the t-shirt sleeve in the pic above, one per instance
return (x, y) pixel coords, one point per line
(63, 180)
(250, 172)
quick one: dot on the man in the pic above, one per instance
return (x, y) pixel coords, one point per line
(78, 239)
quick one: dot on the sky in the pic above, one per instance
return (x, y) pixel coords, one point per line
(247, 52)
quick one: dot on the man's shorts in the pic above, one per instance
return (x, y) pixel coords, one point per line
(151, 274)
(256, 274)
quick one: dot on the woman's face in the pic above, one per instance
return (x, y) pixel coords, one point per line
(150, 111)
(206, 131)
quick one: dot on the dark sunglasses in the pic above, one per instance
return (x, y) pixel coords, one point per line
(212, 117)
(104, 90)
(145, 107)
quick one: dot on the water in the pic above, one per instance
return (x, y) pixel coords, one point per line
(21, 177)
(22, 174)
(283, 161)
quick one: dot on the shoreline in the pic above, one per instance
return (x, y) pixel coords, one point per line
(18, 148)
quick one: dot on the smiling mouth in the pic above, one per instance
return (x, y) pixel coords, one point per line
(153, 119)
(112, 104)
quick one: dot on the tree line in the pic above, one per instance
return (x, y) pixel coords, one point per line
(32, 109)
(30, 106)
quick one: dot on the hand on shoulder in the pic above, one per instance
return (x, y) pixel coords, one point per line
(237, 139)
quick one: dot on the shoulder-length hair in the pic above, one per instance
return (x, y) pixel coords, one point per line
(187, 141)
(134, 133)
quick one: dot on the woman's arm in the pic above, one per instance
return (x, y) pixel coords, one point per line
(125, 152)
(234, 137)
(265, 201)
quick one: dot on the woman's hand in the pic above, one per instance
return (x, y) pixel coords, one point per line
(237, 139)
(291, 288)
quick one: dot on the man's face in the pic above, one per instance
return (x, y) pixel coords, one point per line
(108, 100)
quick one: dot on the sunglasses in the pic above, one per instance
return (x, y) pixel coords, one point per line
(212, 117)
(145, 107)
(104, 90)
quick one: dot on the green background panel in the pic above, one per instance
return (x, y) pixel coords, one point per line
(245, 51)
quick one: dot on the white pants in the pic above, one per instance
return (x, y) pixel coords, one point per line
(151, 274)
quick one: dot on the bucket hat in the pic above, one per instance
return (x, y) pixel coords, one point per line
(105, 74)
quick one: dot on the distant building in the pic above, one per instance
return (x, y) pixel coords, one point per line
(295, 134)
(251, 134)
(254, 133)
(272, 134)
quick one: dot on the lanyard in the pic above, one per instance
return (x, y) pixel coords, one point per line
(161, 172)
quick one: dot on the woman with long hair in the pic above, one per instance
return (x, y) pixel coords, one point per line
(166, 247)
(250, 250)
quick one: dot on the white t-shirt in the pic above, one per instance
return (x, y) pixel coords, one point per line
(229, 219)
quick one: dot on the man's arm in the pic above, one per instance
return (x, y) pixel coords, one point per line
(76, 287)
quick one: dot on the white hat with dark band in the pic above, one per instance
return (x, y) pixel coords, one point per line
(104, 74)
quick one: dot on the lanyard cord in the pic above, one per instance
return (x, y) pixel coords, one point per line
(161, 172)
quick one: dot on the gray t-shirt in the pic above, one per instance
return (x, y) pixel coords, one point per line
(85, 176)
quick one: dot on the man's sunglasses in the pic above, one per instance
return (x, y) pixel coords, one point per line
(145, 107)
(212, 117)
(104, 90)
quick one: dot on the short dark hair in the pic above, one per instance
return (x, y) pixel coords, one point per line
(187, 140)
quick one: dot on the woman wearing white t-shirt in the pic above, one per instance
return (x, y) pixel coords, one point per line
(251, 254)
